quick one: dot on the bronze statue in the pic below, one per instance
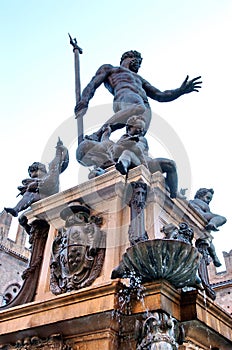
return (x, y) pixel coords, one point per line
(131, 109)
(96, 153)
(201, 202)
(131, 150)
(182, 233)
(130, 92)
(159, 331)
(128, 152)
(41, 183)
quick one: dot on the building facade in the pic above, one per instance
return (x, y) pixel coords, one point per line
(14, 257)
(222, 282)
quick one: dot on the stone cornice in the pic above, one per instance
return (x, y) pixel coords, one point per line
(196, 306)
(13, 253)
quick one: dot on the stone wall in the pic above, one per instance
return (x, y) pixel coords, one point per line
(13, 259)
(222, 283)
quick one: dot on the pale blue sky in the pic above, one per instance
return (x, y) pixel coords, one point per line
(175, 38)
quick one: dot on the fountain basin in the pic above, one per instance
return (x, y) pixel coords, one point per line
(172, 260)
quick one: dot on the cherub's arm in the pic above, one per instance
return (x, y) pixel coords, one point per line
(30, 184)
(61, 160)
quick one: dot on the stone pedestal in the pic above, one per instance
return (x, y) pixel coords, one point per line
(91, 318)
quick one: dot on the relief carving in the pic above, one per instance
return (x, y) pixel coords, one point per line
(137, 204)
(159, 331)
(54, 342)
(78, 251)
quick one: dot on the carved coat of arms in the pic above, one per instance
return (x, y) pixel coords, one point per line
(78, 250)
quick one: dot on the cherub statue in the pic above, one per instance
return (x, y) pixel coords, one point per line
(128, 152)
(200, 203)
(42, 183)
(131, 150)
